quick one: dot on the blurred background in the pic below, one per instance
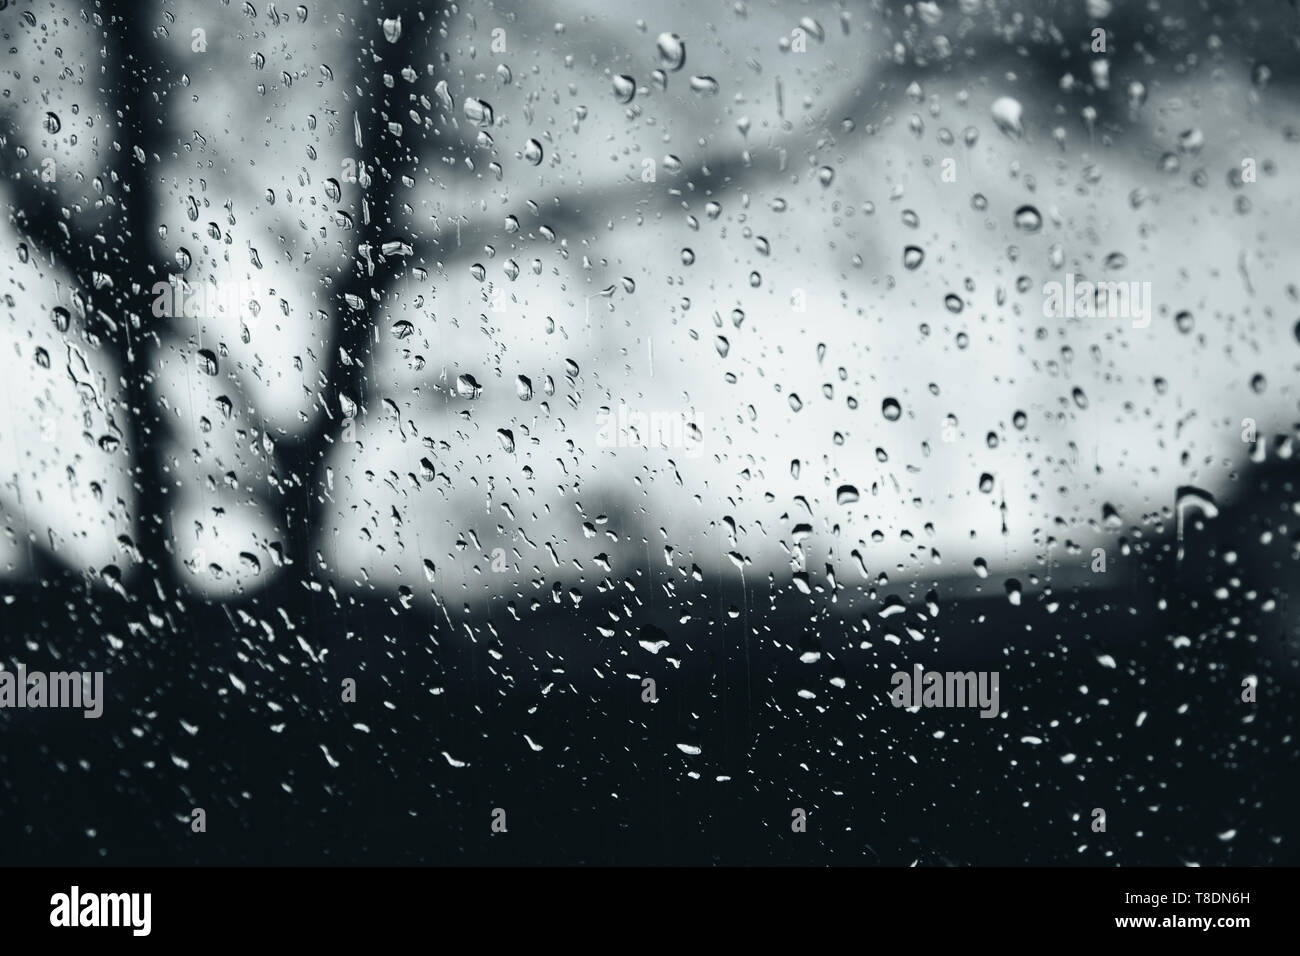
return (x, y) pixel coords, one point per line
(500, 357)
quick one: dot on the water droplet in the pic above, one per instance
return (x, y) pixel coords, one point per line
(392, 29)
(52, 123)
(1184, 321)
(846, 495)
(533, 152)
(1007, 115)
(813, 28)
(1028, 219)
(467, 386)
(478, 111)
(672, 51)
(891, 410)
(624, 88)
(704, 85)
(1191, 140)
(1012, 587)
(913, 256)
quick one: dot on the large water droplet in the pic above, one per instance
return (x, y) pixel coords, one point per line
(704, 85)
(624, 88)
(672, 51)
(1029, 219)
(478, 111)
(1007, 114)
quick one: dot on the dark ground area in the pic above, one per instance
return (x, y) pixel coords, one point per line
(610, 785)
